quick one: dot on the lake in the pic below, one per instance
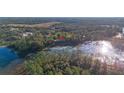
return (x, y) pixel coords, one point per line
(7, 56)
(101, 50)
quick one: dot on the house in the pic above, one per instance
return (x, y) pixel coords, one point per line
(61, 38)
(27, 34)
(123, 30)
(119, 35)
(14, 29)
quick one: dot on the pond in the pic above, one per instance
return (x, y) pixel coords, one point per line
(7, 56)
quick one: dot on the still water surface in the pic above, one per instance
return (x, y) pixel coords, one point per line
(7, 56)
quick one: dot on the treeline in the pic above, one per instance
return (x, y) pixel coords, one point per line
(29, 44)
(89, 32)
(49, 63)
(65, 63)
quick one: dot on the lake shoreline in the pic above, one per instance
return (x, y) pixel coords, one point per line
(9, 64)
(3, 46)
(11, 68)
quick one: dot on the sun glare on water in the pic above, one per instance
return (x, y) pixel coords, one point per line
(104, 51)
(105, 48)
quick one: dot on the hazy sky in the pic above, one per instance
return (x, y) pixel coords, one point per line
(67, 8)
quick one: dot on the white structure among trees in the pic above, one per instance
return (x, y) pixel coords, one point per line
(123, 30)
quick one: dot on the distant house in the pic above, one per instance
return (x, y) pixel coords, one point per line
(61, 38)
(123, 30)
(119, 35)
(27, 34)
(14, 29)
